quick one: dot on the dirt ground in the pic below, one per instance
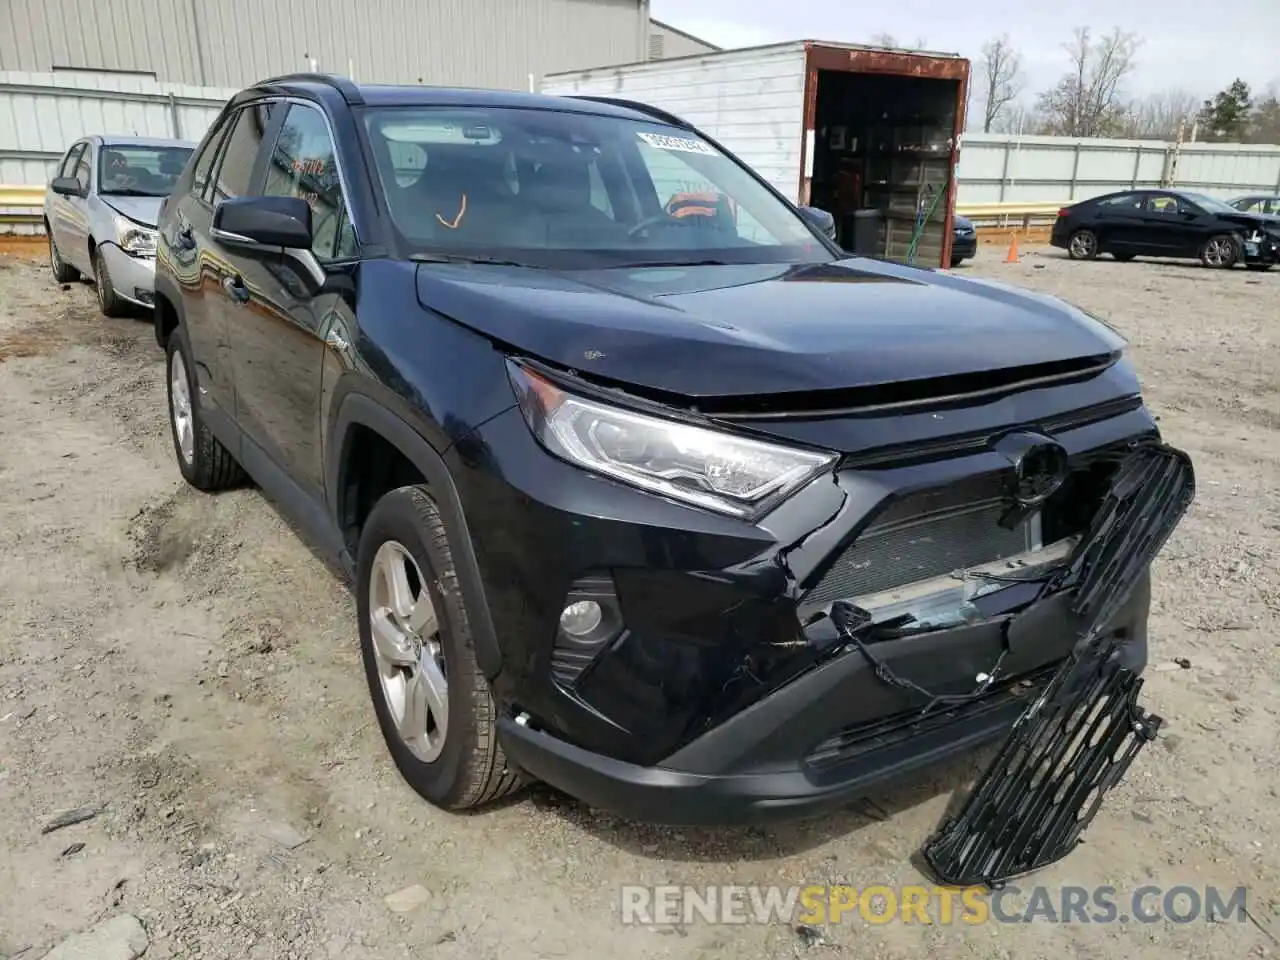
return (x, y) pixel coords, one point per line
(184, 663)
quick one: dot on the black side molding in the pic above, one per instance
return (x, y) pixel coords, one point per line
(359, 409)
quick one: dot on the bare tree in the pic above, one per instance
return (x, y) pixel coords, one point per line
(890, 41)
(1086, 101)
(1001, 74)
(1264, 126)
(1158, 116)
(1018, 118)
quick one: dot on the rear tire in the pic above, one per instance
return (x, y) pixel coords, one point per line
(63, 272)
(110, 302)
(205, 463)
(458, 763)
(1083, 245)
(1260, 267)
(1220, 252)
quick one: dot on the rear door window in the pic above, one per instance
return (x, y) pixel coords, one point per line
(200, 179)
(234, 177)
(1125, 203)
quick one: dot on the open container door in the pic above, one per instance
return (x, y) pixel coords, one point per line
(881, 142)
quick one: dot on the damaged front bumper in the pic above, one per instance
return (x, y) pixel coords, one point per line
(834, 734)
(1260, 247)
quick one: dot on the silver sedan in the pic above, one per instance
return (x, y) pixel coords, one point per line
(100, 213)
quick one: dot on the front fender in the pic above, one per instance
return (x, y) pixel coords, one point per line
(359, 409)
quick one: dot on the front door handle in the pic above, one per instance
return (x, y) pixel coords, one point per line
(236, 289)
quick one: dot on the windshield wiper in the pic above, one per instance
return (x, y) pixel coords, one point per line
(129, 192)
(433, 257)
(639, 264)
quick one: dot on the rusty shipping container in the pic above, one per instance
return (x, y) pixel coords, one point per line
(868, 133)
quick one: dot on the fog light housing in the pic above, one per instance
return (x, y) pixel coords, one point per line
(580, 618)
(590, 621)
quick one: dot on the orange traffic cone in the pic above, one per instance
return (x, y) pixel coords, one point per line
(1013, 249)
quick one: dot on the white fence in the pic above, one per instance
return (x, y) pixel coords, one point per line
(1005, 169)
(42, 113)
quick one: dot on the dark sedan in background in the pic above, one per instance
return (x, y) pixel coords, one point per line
(1167, 223)
(964, 245)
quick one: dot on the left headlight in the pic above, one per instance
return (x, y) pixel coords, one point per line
(135, 238)
(735, 475)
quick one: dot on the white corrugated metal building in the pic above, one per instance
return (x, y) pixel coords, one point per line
(232, 43)
(666, 41)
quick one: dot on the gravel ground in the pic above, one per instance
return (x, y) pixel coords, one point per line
(186, 667)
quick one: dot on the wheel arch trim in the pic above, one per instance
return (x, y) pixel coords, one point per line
(357, 409)
(164, 286)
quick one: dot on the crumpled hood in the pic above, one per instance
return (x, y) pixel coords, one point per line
(143, 210)
(737, 331)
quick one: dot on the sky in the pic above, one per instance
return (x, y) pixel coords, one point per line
(1185, 44)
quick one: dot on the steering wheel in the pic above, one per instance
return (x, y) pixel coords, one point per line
(655, 219)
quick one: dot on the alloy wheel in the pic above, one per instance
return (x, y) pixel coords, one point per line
(1218, 252)
(180, 407)
(1082, 245)
(408, 652)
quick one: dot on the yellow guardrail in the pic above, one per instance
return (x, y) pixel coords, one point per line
(21, 196)
(1010, 214)
(21, 204)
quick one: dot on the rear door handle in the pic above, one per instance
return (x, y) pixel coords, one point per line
(236, 289)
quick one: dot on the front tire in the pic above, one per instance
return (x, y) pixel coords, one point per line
(1219, 252)
(1260, 267)
(205, 463)
(433, 703)
(1083, 245)
(63, 272)
(110, 302)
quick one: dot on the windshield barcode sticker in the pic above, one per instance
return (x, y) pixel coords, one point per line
(677, 144)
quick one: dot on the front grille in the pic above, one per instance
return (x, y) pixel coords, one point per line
(927, 534)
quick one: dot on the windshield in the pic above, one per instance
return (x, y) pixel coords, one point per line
(1211, 204)
(138, 171)
(561, 189)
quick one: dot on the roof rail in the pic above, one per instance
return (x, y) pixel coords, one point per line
(350, 92)
(639, 107)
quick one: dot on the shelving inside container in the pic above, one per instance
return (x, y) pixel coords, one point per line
(882, 161)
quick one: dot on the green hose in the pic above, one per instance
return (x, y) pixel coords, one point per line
(919, 228)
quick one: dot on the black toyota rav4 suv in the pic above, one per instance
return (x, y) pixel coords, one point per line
(603, 429)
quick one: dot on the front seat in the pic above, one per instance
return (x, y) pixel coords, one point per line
(559, 192)
(460, 198)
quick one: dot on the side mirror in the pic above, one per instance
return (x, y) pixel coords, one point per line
(820, 219)
(270, 228)
(67, 187)
(274, 223)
